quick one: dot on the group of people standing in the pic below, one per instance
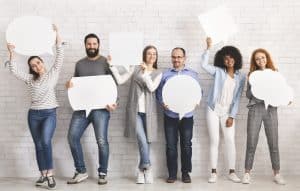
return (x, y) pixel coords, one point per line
(145, 93)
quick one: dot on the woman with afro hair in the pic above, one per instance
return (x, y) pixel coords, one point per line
(223, 102)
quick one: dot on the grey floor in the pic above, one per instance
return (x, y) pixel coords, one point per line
(261, 183)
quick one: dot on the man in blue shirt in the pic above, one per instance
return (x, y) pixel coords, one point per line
(173, 125)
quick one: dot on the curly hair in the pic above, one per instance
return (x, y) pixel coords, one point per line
(228, 51)
(269, 64)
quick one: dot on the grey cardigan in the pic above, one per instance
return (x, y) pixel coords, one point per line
(137, 86)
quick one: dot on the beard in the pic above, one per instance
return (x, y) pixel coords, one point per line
(92, 52)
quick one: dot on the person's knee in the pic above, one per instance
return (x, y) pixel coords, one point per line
(102, 142)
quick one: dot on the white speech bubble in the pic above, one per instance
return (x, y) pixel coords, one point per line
(32, 35)
(218, 24)
(181, 94)
(126, 48)
(270, 86)
(92, 92)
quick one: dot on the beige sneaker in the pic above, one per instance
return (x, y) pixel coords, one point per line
(234, 178)
(213, 178)
(246, 178)
(148, 176)
(140, 178)
(78, 177)
(279, 180)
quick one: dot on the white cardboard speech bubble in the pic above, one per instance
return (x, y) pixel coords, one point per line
(218, 24)
(92, 92)
(270, 86)
(181, 93)
(32, 35)
(126, 48)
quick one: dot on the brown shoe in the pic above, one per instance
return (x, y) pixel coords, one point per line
(186, 178)
(171, 180)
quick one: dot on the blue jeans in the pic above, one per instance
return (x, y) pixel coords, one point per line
(185, 128)
(42, 124)
(79, 122)
(144, 146)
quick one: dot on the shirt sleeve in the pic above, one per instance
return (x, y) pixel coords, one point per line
(204, 63)
(121, 78)
(18, 73)
(152, 84)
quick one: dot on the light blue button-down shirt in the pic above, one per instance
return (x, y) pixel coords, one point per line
(220, 76)
(165, 77)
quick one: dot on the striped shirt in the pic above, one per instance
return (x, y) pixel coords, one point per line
(42, 90)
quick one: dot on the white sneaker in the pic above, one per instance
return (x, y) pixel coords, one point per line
(213, 178)
(78, 177)
(279, 180)
(148, 176)
(140, 179)
(234, 178)
(246, 178)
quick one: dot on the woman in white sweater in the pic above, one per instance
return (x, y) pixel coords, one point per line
(141, 111)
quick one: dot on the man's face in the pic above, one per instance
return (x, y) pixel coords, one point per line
(178, 59)
(92, 47)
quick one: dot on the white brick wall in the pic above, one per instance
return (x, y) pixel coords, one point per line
(272, 24)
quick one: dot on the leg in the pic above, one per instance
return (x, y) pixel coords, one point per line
(186, 135)
(171, 134)
(48, 128)
(34, 122)
(271, 130)
(229, 139)
(253, 127)
(78, 125)
(144, 146)
(213, 122)
(100, 119)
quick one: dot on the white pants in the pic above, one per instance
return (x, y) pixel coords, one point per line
(215, 119)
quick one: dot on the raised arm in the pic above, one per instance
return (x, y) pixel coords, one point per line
(13, 68)
(59, 52)
(205, 56)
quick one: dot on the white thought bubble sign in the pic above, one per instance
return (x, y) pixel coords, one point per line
(126, 48)
(181, 94)
(270, 86)
(218, 24)
(31, 35)
(92, 92)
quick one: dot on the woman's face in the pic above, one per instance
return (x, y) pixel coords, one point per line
(260, 60)
(151, 56)
(37, 66)
(229, 61)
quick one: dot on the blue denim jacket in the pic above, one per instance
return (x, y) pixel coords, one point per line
(220, 75)
(165, 77)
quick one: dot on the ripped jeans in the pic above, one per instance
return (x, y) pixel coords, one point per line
(79, 123)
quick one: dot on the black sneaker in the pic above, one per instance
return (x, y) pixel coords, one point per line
(41, 181)
(51, 182)
(186, 178)
(102, 179)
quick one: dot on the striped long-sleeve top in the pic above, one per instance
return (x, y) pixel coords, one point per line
(42, 90)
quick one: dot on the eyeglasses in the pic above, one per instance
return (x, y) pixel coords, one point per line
(177, 57)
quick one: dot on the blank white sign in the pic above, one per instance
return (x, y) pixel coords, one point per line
(92, 92)
(218, 24)
(126, 48)
(181, 94)
(270, 86)
(31, 35)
